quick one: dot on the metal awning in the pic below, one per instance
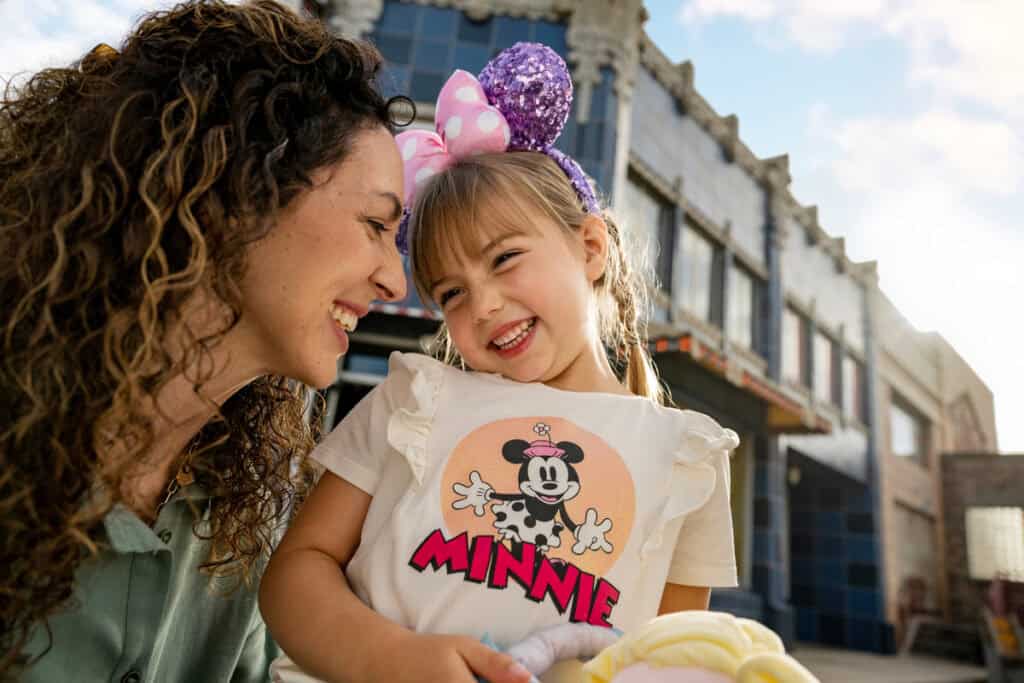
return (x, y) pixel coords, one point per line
(784, 415)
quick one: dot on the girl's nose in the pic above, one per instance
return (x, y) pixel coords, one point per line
(486, 303)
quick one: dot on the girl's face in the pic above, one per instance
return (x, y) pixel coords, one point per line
(330, 254)
(524, 306)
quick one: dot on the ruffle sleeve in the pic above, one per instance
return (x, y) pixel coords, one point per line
(412, 417)
(693, 478)
(395, 416)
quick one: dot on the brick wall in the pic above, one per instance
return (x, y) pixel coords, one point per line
(973, 480)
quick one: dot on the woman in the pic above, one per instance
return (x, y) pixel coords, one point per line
(188, 229)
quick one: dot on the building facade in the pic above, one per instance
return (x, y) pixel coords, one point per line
(931, 406)
(758, 317)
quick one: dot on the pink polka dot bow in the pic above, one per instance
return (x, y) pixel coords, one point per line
(520, 102)
(466, 125)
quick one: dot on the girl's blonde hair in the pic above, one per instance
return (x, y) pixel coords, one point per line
(461, 209)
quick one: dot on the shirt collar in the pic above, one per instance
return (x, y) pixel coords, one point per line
(128, 533)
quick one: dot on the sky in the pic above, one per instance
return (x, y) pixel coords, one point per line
(902, 120)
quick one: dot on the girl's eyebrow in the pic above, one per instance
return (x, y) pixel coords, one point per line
(490, 246)
(437, 283)
(496, 242)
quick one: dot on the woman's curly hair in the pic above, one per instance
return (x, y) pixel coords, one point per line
(130, 182)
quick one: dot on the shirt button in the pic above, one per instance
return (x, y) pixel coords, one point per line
(132, 676)
(165, 536)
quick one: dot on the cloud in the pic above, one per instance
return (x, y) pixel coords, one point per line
(46, 33)
(815, 26)
(966, 50)
(961, 50)
(939, 146)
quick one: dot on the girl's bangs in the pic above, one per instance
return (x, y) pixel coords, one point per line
(457, 216)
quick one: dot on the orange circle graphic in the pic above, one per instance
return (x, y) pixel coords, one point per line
(605, 485)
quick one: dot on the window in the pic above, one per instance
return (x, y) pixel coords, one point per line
(995, 543)
(823, 369)
(649, 231)
(740, 311)
(908, 432)
(648, 226)
(794, 340)
(695, 271)
(853, 389)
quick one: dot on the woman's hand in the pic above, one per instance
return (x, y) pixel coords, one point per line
(420, 658)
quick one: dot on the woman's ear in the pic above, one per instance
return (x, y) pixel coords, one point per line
(594, 236)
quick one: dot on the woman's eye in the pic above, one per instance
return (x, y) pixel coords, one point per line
(377, 226)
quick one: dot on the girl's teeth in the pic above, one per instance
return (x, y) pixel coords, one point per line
(514, 336)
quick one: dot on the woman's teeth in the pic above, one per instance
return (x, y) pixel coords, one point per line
(515, 335)
(346, 319)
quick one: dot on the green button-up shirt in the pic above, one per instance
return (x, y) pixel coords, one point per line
(143, 611)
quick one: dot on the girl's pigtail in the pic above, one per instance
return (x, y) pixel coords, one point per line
(624, 324)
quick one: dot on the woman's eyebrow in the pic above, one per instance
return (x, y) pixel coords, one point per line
(396, 204)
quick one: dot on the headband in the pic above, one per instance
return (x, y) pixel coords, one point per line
(520, 102)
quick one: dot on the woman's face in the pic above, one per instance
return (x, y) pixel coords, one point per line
(330, 254)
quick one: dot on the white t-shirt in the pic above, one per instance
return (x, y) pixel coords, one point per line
(501, 508)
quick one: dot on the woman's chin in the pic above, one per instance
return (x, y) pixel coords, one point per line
(318, 374)
(324, 379)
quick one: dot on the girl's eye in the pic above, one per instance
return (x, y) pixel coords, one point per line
(377, 226)
(447, 295)
(505, 256)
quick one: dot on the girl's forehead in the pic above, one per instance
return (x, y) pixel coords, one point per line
(479, 233)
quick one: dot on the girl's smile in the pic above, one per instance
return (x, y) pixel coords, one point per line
(514, 338)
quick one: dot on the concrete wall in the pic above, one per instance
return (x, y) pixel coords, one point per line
(673, 146)
(970, 407)
(909, 367)
(809, 272)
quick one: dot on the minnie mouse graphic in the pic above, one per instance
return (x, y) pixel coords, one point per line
(537, 512)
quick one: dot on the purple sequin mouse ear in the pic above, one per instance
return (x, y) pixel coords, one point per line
(529, 83)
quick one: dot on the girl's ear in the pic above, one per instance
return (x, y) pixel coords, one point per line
(594, 235)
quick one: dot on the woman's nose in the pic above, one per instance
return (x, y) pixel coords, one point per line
(390, 279)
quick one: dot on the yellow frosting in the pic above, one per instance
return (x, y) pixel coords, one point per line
(719, 642)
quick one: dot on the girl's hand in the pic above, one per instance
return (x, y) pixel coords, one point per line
(420, 658)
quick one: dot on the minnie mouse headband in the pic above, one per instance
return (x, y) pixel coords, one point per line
(520, 103)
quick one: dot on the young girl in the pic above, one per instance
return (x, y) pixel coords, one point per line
(536, 479)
